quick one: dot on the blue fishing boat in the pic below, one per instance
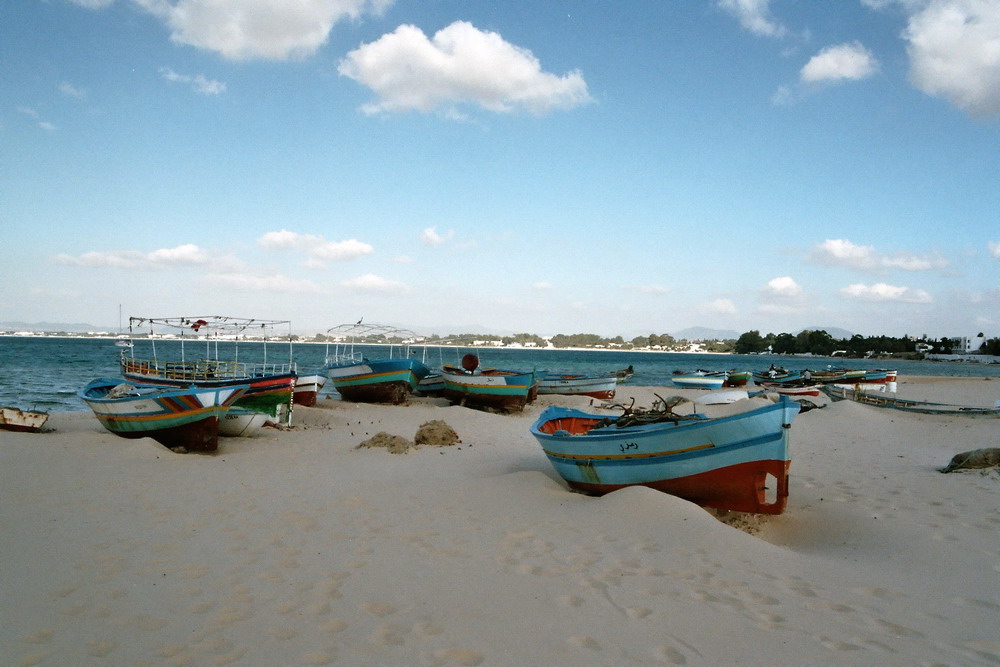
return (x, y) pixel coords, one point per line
(185, 418)
(699, 379)
(381, 380)
(504, 390)
(738, 462)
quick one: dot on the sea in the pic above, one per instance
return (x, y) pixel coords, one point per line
(44, 373)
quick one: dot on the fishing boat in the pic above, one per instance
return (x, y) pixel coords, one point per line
(624, 374)
(178, 418)
(568, 384)
(388, 379)
(738, 462)
(241, 423)
(810, 390)
(504, 390)
(307, 388)
(204, 352)
(737, 378)
(24, 421)
(857, 394)
(698, 379)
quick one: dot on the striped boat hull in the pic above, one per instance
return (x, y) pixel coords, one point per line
(735, 463)
(379, 381)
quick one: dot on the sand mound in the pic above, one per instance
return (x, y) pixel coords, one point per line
(396, 444)
(436, 433)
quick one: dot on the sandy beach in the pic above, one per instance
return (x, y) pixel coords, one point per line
(295, 547)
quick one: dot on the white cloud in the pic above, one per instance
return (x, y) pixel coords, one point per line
(256, 29)
(883, 292)
(995, 249)
(198, 83)
(69, 90)
(256, 282)
(784, 286)
(317, 249)
(431, 237)
(164, 258)
(954, 50)
(460, 64)
(372, 283)
(754, 16)
(721, 306)
(836, 63)
(841, 252)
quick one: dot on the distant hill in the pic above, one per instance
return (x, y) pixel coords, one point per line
(51, 327)
(704, 333)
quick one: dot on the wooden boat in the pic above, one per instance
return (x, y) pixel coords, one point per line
(811, 390)
(270, 384)
(698, 380)
(358, 378)
(568, 384)
(841, 392)
(185, 418)
(307, 388)
(431, 384)
(24, 421)
(737, 378)
(505, 390)
(735, 463)
(240, 423)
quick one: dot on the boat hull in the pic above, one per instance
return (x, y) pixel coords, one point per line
(23, 421)
(240, 422)
(307, 388)
(377, 381)
(737, 463)
(176, 418)
(270, 394)
(578, 385)
(507, 391)
(697, 382)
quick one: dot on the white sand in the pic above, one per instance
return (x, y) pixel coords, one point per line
(295, 548)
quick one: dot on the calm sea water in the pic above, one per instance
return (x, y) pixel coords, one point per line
(45, 373)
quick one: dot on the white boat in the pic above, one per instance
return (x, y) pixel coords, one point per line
(569, 384)
(241, 423)
(25, 421)
(307, 388)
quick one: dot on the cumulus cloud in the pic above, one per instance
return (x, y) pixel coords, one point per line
(954, 50)
(754, 15)
(377, 284)
(431, 237)
(317, 249)
(255, 29)
(995, 249)
(784, 286)
(198, 83)
(837, 63)
(841, 252)
(459, 65)
(882, 292)
(166, 258)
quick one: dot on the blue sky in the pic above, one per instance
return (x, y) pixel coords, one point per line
(550, 167)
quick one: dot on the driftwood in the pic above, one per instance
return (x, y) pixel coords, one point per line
(661, 411)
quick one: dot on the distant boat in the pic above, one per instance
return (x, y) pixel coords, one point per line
(307, 388)
(737, 378)
(361, 379)
(271, 383)
(624, 374)
(568, 384)
(735, 463)
(24, 421)
(185, 418)
(505, 390)
(842, 392)
(699, 379)
(811, 390)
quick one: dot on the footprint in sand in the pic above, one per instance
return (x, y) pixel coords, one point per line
(457, 656)
(671, 655)
(583, 641)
